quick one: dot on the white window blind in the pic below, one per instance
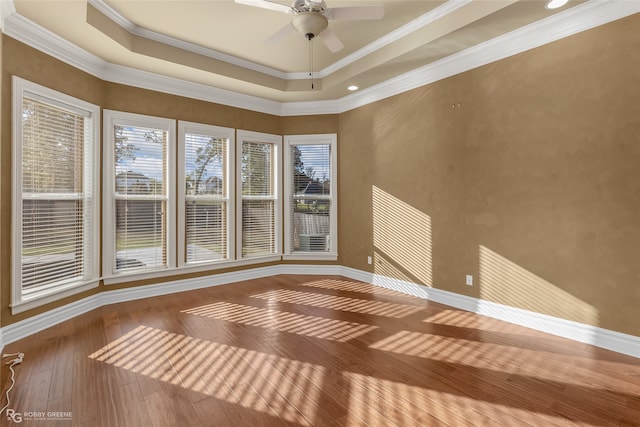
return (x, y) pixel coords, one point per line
(139, 192)
(311, 212)
(206, 205)
(55, 191)
(259, 198)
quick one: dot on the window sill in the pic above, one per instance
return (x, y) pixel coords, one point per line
(47, 296)
(186, 269)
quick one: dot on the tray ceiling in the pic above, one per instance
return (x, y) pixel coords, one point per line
(222, 44)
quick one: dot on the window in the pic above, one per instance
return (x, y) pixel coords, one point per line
(258, 192)
(310, 191)
(205, 228)
(55, 230)
(139, 209)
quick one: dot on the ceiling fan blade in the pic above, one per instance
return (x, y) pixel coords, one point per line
(265, 4)
(331, 40)
(280, 34)
(355, 13)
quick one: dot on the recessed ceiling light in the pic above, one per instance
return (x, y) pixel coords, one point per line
(554, 4)
(353, 87)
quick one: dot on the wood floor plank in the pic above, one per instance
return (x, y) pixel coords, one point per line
(132, 405)
(113, 332)
(62, 370)
(56, 411)
(85, 403)
(301, 351)
(37, 391)
(163, 410)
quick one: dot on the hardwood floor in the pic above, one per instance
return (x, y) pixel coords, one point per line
(312, 351)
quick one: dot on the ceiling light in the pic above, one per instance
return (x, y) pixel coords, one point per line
(309, 23)
(353, 87)
(555, 4)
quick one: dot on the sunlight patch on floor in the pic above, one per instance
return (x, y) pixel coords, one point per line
(355, 305)
(349, 286)
(466, 319)
(282, 321)
(478, 355)
(405, 404)
(263, 382)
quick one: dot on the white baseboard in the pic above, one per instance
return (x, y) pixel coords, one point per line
(588, 334)
(604, 338)
(329, 270)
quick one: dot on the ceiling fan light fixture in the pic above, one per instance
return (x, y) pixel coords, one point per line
(309, 23)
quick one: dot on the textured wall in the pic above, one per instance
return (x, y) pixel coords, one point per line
(303, 125)
(524, 173)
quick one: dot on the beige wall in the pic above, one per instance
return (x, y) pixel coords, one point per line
(524, 173)
(303, 125)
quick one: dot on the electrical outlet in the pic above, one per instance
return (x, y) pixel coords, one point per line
(369, 260)
(469, 281)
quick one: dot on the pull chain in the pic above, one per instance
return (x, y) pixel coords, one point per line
(310, 37)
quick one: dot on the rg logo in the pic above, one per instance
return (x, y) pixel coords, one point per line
(14, 416)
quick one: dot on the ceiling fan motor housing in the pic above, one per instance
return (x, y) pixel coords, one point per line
(309, 6)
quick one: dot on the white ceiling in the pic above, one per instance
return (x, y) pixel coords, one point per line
(221, 44)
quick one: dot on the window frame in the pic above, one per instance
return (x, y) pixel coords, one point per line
(21, 301)
(111, 118)
(311, 139)
(243, 136)
(184, 128)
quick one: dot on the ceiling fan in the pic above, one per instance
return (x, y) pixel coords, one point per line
(311, 18)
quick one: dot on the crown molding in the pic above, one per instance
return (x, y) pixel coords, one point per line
(309, 108)
(7, 8)
(171, 85)
(38, 37)
(575, 20)
(114, 15)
